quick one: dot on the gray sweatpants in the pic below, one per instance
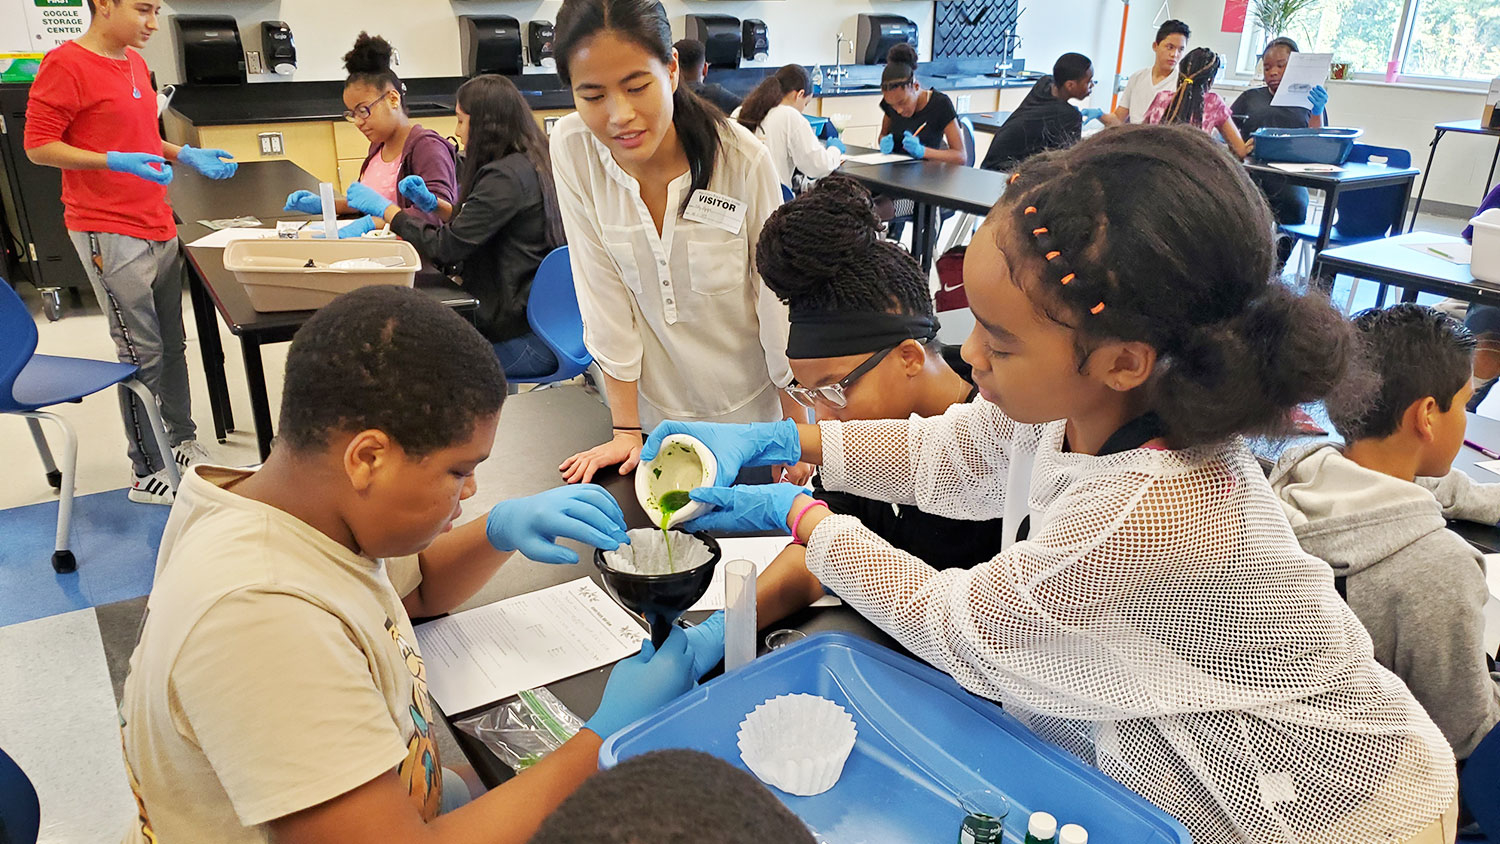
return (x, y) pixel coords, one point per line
(139, 287)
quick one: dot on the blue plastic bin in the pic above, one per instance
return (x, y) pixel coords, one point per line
(1304, 146)
(922, 740)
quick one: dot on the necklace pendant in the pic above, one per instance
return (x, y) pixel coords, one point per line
(135, 92)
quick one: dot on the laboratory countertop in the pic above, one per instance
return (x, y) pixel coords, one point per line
(279, 102)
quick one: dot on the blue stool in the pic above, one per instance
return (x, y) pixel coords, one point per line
(552, 312)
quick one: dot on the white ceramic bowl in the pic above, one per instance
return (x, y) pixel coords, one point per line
(797, 743)
(682, 463)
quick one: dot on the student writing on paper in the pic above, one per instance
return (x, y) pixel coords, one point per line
(663, 199)
(506, 219)
(773, 111)
(1376, 509)
(375, 102)
(1130, 626)
(92, 114)
(277, 691)
(863, 345)
(921, 123)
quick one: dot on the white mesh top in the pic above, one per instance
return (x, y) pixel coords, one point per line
(1160, 622)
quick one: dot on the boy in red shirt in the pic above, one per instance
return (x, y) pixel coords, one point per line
(92, 113)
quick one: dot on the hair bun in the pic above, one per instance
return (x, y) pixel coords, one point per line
(809, 242)
(903, 52)
(371, 54)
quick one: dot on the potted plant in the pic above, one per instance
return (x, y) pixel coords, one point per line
(1274, 17)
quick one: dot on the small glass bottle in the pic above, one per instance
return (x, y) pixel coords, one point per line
(1041, 828)
(1072, 833)
(984, 822)
(817, 80)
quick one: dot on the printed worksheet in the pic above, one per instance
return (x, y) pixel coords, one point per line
(1304, 72)
(489, 653)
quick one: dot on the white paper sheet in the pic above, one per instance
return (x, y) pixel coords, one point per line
(1292, 167)
(489, 653)
(879, 158)
(224, 237)
(1454, 251)
(1492, 609)
(1304, 71)
(760, 550)
(1489, 465)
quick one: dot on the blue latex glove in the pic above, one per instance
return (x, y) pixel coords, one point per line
(912, 146)
(838, 145)
(1091, 113)
(745, 508)
(735, 446)
(415, 189)
(357, 228)
(304, 201)
(644, 683)
(366, 200)
(532, 525)
(210, 162)
(887, 144)
(1318, 96)
(706, 643)
(142, 165)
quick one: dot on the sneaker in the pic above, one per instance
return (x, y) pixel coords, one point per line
(189, 454)
(151, 489)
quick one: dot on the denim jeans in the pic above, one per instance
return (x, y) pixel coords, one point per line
(525, 357)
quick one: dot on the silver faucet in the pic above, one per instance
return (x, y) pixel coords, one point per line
(838, 71)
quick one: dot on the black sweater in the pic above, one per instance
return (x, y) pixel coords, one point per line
(494, 242)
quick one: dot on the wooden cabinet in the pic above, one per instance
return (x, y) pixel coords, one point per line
(309, 145)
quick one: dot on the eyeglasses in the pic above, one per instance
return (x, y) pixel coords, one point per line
(362, 111)
(835, 394)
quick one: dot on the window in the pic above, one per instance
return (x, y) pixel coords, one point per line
(1431, 39)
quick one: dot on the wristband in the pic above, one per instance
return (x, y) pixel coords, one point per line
(624, 428)
(797, 520)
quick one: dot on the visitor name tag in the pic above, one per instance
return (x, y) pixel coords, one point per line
(717, 210)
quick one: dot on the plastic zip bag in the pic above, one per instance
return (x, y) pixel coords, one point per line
(524, 730)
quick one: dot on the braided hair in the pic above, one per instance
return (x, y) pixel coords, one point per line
(823, 252)
(1192, 277)
(1195, 75)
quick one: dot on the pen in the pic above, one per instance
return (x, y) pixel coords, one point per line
(1440, 253)
(1482, 450)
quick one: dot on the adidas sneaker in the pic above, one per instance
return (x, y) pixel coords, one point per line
(189, 454)
(151, 489)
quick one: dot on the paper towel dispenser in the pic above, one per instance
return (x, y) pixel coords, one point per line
(277, 45)
(209, 51)
(879, 33)
(755, 42)
(720, 35)
(490, 44)
(539, 36)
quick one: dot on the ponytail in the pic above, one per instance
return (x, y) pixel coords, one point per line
(770, 92)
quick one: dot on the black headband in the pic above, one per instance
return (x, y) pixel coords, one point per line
(835, 334)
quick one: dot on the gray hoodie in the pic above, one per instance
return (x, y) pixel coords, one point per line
(1416, 586)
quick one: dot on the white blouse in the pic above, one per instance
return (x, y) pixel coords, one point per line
(794, 146)
(684, 313)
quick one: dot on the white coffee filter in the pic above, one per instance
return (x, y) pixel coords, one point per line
(797, 743)
(647, 552)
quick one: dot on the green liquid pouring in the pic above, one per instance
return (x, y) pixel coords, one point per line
(669, 504)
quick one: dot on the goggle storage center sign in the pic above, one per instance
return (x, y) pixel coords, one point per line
(48, 23)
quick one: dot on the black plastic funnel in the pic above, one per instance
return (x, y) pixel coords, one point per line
(661, 598)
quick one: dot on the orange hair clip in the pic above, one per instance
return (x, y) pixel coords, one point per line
(1013, 178)
(1052, 255)
(1030, 209)
(1097, 308)
(1067, 278)
(1039, 231)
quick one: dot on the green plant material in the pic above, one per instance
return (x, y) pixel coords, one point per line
(675, 500)
(1275, 17)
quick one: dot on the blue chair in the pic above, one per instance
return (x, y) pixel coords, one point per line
(552, 311)
(786, 194)
(20, 811)
(1360, 216)
(1479, 785)
(30, 382)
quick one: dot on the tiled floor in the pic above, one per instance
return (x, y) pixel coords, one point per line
(66, 669)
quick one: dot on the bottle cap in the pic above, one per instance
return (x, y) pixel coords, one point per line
(1041, 826)
(1072, 833)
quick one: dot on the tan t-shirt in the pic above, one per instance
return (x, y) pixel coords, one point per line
(276, 670)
